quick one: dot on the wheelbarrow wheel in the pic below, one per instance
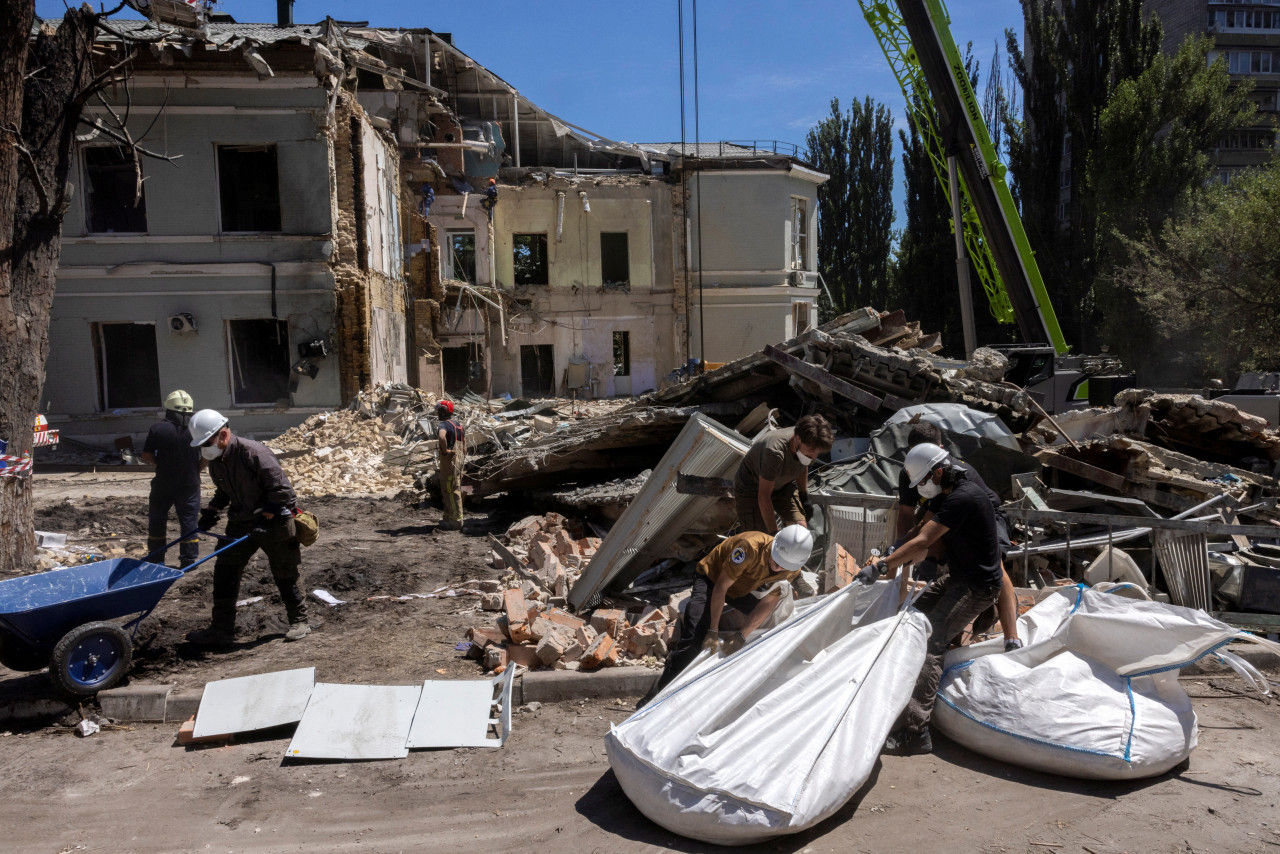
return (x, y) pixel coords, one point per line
(16, 655)
(91, 658)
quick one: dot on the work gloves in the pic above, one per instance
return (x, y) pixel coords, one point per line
(724, 642)
(869, 573)
(267, 530)
(209, 517)
(711, 643)
(1011, 644)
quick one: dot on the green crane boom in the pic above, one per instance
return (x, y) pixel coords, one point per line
(916, 40)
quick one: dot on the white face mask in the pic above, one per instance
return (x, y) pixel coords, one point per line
(804, 461)
(211, 452)
(929, 489)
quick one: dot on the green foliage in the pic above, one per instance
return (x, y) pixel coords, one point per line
(1211, 281)
(855, 206)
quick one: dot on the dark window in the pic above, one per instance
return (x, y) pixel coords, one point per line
(615, 263)
(128, 368)
(461, 261)
(537, 370)
(622, 354)
(249, 187)
(529, 254)
(463, 368)
(258, 353)
(112, 183)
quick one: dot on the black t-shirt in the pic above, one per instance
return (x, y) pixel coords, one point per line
(973, 552)
(177, 463)
(910, 495)
(453, 433)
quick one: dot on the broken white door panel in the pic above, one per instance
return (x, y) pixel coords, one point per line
(355, 722)
(249, 703)
(457, 713)
(658, 515)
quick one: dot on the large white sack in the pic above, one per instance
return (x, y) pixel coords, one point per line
(779, 736)
(1094, 693)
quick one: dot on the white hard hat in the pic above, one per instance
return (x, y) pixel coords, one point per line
(179, 401)
(923, 459)
(792, 547)
(204, 424)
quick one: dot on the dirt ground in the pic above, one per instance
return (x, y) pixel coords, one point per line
(550, 788)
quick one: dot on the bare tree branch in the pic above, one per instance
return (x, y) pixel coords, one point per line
(15, 139)
(93, 123)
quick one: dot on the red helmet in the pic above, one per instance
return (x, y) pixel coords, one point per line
(446, 405)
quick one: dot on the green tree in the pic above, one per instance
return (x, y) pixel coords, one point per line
(1150, 163)
(1077, 53)
(1208, 270)
(855, 206)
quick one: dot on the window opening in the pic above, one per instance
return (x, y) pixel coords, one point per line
(463, 367)
(537, 370)
(529, 255)
(111, 182)
(622, 354)
(258, 358)
(460, 260)
(249, 188)
(800, 317)
(799, 237)
(615, 259)
(128, 367)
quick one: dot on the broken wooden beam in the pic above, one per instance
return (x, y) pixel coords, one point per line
(1102, 477)
(813, 373)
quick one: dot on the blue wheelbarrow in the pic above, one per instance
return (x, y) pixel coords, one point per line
(63, 619)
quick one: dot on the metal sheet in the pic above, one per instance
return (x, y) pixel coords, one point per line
(860, 529)
(355, 722)
(248, 703)
(1184, 561)
(658, 515)
(460, 713)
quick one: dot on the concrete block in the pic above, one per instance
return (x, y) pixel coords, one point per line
(182, 704)
(560, 685)
(492, 602)
(141, 702)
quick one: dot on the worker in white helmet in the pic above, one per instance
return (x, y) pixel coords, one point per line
(964, 520)
(177, 481)
(260, 502)
(744, 571)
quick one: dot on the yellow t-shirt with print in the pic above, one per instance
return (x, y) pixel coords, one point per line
(745, 557)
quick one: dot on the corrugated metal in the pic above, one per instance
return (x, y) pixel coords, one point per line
(1184, 560)
(862, 528)
(658, 515)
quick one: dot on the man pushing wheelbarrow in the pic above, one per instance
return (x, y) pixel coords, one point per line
(260, 502)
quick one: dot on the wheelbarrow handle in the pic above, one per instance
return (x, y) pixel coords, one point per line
(229, 545)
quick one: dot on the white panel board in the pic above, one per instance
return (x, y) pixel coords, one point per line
(248, 703)
(459, 713)
(355, 722)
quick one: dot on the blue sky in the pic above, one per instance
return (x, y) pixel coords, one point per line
(766, 70)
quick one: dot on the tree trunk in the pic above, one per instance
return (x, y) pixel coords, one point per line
(48, 107)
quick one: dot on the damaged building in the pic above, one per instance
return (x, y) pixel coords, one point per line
(348, 205)
(261, 269)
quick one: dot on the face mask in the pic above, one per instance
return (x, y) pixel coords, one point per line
(804, 461)
(210, 452)
(929, 489)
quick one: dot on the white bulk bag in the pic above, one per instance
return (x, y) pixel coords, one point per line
(778, 736)
(1094, 692)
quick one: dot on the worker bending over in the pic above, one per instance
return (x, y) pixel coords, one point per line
(743, 571)
(965, 522)
(260, 502)
(772, 483)
(914, 510)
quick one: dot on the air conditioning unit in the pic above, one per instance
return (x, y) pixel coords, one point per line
(182, 324)
(796, 279)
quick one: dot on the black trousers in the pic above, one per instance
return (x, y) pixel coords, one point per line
(284, 554)
(694, 627)
(186, 503)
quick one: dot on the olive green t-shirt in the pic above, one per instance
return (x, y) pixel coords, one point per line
(745, 557)
(768, 458)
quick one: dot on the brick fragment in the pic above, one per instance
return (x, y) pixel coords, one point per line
(564, 618)
(553, 646)
(640, 639)
(600, 652)
(495, 656)
(187, 734)
(490, 585)
(492, 602)
(610, 620)
(542, 556)
(586, 635)
(524, 530)
(562, 544)
(523, 654)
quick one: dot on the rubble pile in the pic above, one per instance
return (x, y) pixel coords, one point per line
(339, 453)
(533, 627)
